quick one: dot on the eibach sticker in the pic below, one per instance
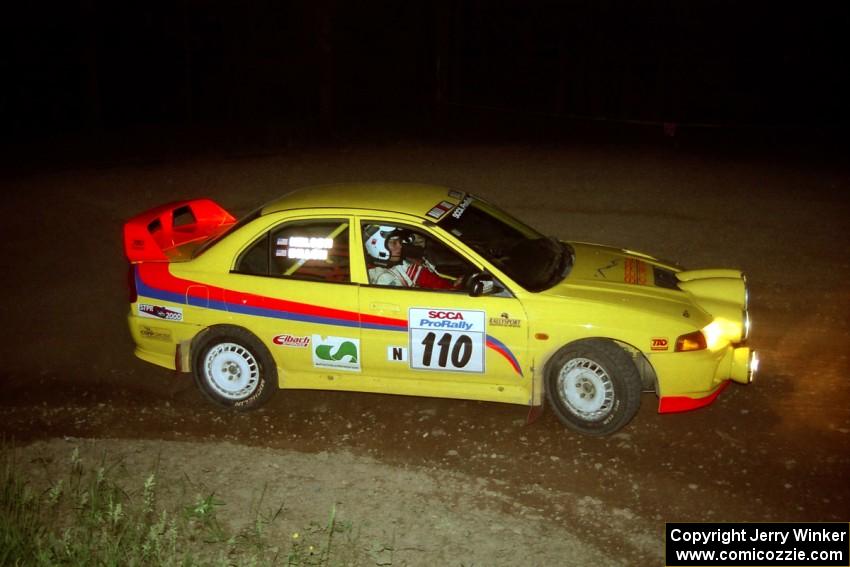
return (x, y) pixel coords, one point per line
(439, 210)
(160, 312)
(291, 341)
(659, 343)
(635, 272)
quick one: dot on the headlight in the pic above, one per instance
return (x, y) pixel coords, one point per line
(714, 334)
(722, 331)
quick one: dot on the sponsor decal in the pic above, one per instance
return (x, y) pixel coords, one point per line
(307, 253)
(503, 320)
(635, 272)
(336, 352)
(291, 341)
(461, 208)
(304, 247)
(397, 354)
(659, 343)
(439, 210)
(446, 319)
(457, 194)
(160, 312)
(447, 339)
(155, 333)
(600, 272)
(154, 280)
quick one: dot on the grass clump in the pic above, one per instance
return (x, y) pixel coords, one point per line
(88, 518)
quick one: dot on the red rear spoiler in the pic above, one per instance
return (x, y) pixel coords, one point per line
(150, 236)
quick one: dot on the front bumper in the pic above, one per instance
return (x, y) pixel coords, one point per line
(688, 381)
(745, 364)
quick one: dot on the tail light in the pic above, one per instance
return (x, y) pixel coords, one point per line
(133, 295)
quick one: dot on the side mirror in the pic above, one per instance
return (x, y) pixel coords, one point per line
(480, 284)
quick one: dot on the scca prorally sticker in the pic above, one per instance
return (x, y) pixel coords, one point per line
(397, 354)
(336, 352)
(160, 312)
(447, 339)
(659, 343)
(291, 341)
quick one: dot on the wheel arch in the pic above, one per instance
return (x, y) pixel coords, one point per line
(252, 349)
(601, 392)
(648, 377)
(192, 345)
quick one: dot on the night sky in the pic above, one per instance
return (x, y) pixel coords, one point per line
(310, 71)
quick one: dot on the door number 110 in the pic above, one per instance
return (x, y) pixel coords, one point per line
(460, 351)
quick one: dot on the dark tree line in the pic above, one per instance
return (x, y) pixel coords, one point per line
(94, 64)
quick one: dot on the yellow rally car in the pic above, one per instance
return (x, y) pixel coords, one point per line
(422, 290)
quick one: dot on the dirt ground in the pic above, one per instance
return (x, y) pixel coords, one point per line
(443, 481)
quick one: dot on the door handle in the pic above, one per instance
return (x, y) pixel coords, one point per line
(378, 306)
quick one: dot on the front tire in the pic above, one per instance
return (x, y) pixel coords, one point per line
(233, 369)
(593, 386)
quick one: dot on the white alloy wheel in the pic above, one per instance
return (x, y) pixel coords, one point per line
(231, 371)
(594, 386)
(586, 389)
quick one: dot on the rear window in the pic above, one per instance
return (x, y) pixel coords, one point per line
(315, 250)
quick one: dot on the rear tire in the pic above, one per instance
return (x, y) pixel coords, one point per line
(593, 386)
(233, 369)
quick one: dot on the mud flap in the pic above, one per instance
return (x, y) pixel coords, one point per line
(534, 413)
(182, 359)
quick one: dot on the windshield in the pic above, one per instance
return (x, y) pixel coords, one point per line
(534, 261)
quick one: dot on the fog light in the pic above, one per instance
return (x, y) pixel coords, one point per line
(754, 366)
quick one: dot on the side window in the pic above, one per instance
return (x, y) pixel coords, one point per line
(255, 260)
(315, 250)
(400, 256)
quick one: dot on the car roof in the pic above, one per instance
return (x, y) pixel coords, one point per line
(410, 198)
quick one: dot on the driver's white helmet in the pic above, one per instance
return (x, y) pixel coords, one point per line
(376, 244)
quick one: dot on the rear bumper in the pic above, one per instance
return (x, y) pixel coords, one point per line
(164, 360)
(157, 341)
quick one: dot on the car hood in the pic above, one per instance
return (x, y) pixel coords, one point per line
(637, 281)
(615, 266)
